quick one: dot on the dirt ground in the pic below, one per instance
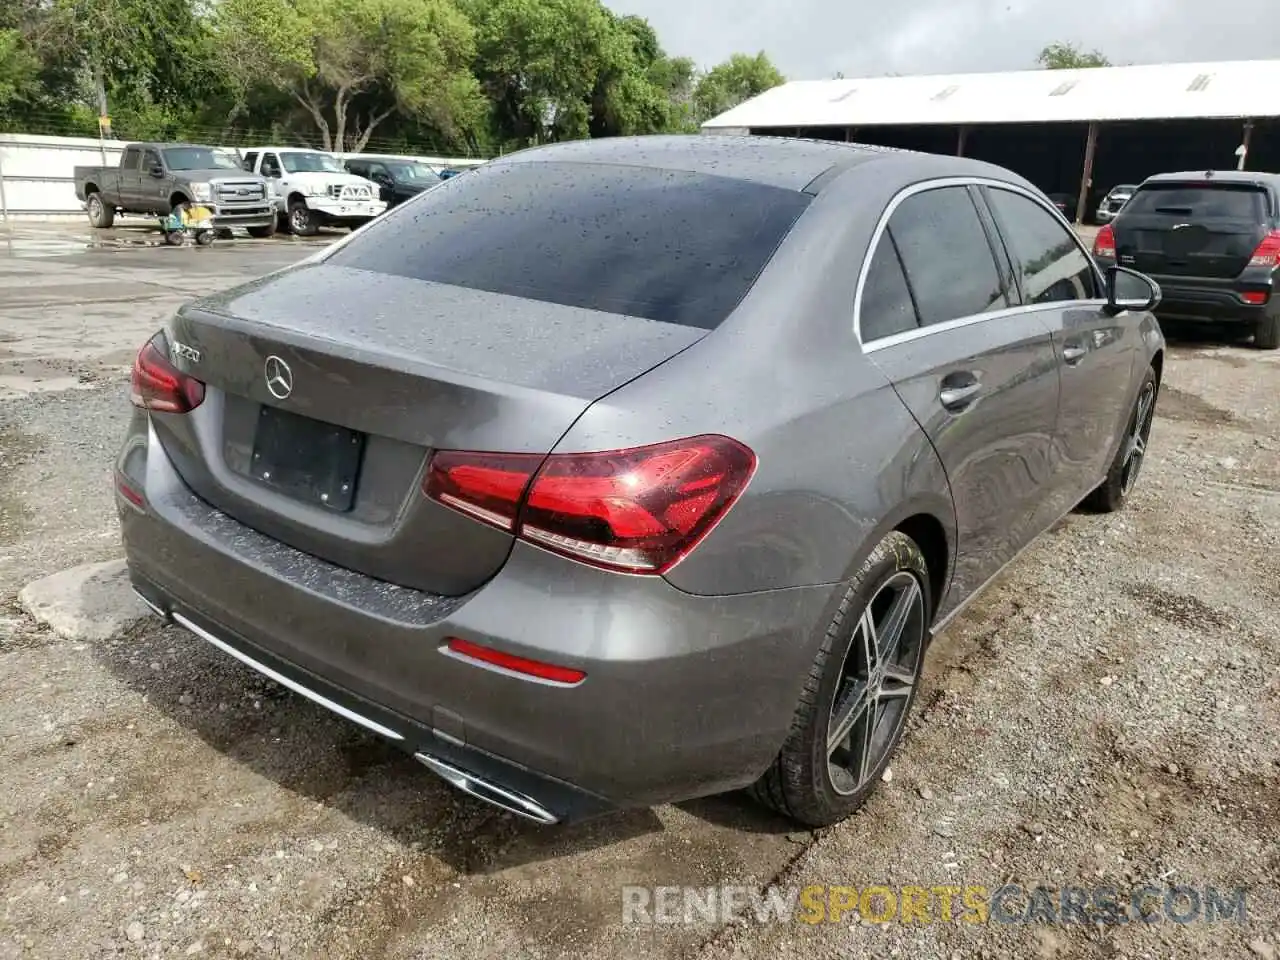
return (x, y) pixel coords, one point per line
(1107, 713)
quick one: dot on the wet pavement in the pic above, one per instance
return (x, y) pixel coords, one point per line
(75, 303)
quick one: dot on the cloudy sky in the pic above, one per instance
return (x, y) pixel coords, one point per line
(813, 39)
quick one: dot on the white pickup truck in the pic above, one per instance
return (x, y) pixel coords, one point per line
(313, 189)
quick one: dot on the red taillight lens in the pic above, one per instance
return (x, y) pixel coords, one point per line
(1256, 297)
(509, 661)
(639, 510)
(1104, 244)
(159, 385)
(1268, 252)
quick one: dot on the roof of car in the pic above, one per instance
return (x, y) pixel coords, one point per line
(161, 145)
(783, 162)
(1219, 176)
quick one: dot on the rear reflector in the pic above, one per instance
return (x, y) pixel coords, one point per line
(130, 494)
(509, 661)
(1104, 244)
(639, 510)
(159, 385)
(1267, 254)
(1256, 297)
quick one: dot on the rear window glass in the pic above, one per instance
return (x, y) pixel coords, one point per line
(664, 245)
(1193, 200)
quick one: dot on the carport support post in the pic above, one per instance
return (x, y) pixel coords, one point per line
(961, 137)
(1090, 145)
(1244, 145)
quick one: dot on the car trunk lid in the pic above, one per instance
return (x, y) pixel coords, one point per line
(1202, 229)
(323, 408)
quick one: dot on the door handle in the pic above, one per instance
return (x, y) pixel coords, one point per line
(959, 390)
(1073, 353)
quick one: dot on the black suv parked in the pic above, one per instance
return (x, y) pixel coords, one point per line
(397, 179)
(1212, 242)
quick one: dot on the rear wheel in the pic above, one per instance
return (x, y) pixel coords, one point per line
(1111, 494)
(859, 691)
(1267, 334)
(101, 215)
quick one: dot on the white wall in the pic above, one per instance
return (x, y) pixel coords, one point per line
(36, 172)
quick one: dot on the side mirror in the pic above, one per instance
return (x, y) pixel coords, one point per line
(157, 171)
(1130, 290)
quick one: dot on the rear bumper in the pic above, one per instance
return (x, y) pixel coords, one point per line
(684, 695)
(1208, 299)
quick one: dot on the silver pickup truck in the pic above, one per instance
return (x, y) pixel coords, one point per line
(155, 178)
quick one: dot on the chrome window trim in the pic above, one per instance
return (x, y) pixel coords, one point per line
(936, 184)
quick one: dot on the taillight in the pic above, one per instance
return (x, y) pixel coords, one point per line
(1104, 244)
(1268, 252)
(1255, 297)
(159, 385)
(639, 510)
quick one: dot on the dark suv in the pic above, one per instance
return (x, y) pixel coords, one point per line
(398, 179)
(1212, 242)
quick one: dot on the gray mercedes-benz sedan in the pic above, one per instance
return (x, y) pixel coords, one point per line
(633, 470)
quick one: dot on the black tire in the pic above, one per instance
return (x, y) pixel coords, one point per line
(263, 233)
(205, 237)
(1267, 334)
(101, 215)
(175, 238)
(1110, 495)
(302, 221)
(802, 782)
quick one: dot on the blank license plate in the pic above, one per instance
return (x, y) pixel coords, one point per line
(309, 460)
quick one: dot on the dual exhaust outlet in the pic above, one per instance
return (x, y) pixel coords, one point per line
(469, 783)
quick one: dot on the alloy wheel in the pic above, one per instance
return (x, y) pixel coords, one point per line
(95, 208)
(1136, 441)
(298, 220)
(876, 683)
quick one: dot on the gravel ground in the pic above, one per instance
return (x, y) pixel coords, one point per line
(1106, 713)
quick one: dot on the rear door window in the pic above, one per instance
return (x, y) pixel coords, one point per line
(131, 157)
(665, 245)
(1201, 201)
(946, 255)
(1051, 262)
(886, 307)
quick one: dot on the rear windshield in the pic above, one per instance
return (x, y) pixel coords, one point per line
(1199, 200)
(664, 245)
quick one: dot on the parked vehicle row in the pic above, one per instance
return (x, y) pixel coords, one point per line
(266, 189)
(1211, 240)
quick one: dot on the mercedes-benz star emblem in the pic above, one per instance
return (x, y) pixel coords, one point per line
(279, 377)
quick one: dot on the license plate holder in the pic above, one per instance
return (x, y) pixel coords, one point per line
(307, 459)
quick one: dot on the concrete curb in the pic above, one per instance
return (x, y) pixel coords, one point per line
(90, 602)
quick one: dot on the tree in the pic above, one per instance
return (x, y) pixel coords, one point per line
(539, 62)
(1069, 56)
(728, 84)
(18, 68)
(640, 89)
(351, 64)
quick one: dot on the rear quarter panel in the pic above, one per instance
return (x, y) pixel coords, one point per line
(840, 459)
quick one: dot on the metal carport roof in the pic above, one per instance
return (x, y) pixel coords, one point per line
(1243, 89)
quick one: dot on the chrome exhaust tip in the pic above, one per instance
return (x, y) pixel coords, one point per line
(490, 793)
(159, 611)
